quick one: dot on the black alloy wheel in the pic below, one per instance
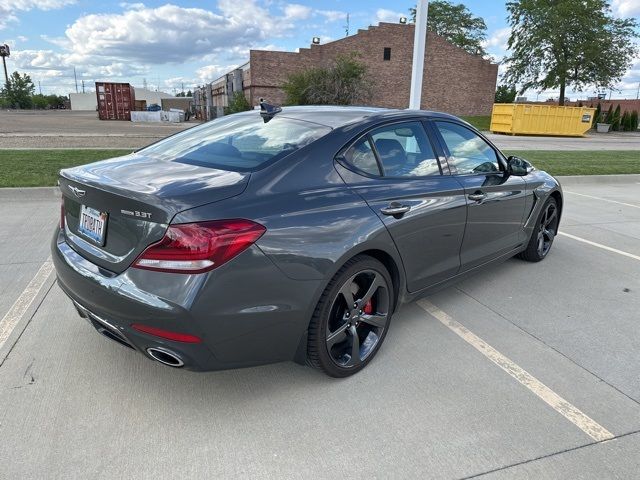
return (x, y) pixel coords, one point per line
(352, 318)
(547, 227)
(544, 233)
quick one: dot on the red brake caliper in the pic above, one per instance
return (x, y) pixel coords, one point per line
(368, 307)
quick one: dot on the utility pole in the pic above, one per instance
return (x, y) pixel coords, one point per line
(83, 86)
(346, 27)
(638, 92)
(39, 87)
(4, 53)
(75, 77)
(419, 46)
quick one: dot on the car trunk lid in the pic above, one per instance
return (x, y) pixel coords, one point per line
(135, 197)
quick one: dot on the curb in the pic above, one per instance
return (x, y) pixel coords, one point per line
(599, 179)
(30, 193)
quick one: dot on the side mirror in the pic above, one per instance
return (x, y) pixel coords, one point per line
(519, 166)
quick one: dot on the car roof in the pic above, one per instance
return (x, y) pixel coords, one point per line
(337, 116)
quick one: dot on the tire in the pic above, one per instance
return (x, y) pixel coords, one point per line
(544, 232)
(332, 347)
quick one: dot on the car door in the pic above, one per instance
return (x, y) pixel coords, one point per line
(495, 200)
(395, 169)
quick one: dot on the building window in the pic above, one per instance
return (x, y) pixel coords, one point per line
(387, 53)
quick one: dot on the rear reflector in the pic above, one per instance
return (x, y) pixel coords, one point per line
(158, 332)
(62, 222)
(199, 247)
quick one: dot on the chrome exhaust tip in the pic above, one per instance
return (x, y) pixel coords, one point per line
(165, 357)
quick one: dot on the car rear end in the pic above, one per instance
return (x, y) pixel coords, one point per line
(198, 295)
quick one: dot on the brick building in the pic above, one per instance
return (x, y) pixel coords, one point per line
(454, 80)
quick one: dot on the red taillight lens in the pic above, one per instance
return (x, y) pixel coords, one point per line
(159, 332)
(199, 247)
(62, 222)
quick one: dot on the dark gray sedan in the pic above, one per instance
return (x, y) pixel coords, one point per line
(291, 234)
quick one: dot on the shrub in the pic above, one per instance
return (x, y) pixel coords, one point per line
(608, 118)
(615, 119)
(596, 115)
(238, 103)
(625, 124)
(343, 83)
(505, 94)
(634, 120)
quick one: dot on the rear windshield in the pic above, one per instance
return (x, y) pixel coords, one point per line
(237, 142)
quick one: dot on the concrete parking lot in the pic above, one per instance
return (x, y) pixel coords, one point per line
(523, 371)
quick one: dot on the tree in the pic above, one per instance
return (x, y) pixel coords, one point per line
(597, 115)
(17, 93)
(608, 118)
(457, 24)
(634, 120)
(505, 94)
(237, 104)
(625, 122)
(560, 43)
(40, 101)
(615, 119)
(343, 83)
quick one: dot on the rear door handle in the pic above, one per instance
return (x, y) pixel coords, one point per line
(395, 209)
(477, 197)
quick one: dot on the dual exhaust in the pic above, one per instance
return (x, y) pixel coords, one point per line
(164, 356)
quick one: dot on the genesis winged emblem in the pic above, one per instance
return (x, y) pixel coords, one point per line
(77, 191)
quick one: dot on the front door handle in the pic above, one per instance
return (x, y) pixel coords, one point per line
(396, 209)
(477, 197)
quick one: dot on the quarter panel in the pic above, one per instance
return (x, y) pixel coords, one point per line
(313, 219)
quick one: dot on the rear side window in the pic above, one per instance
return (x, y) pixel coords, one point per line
(361, 156)
(469, 153)
(405, 151)
(238, 142)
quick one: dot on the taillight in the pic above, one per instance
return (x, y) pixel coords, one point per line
(199, 247)
(159, 332)
(62, 222)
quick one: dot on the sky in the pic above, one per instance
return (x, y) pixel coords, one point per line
(181, 44)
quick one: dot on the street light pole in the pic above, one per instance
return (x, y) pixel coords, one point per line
(4, 53)
(6, 75)
(419, 45)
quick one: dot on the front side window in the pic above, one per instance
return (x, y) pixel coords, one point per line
(469, 153)
(405, 151)
(237, 142)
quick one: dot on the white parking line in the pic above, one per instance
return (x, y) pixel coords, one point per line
(559, 404)
(599, 245)
(24, 301)
(604, 199)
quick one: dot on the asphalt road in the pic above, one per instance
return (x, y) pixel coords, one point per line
(78, 129)
(74, 129)
(523, 371)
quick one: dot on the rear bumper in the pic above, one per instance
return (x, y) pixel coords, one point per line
(246, 312)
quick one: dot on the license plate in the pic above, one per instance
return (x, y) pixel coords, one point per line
(93, 224)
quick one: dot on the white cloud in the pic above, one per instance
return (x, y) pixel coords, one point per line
(294, 11)
(498, 39)
(384, 15)
(626, 8)
(133, 42)
(332, 15)
(10, 8)
(208, 73)
(131, 6)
